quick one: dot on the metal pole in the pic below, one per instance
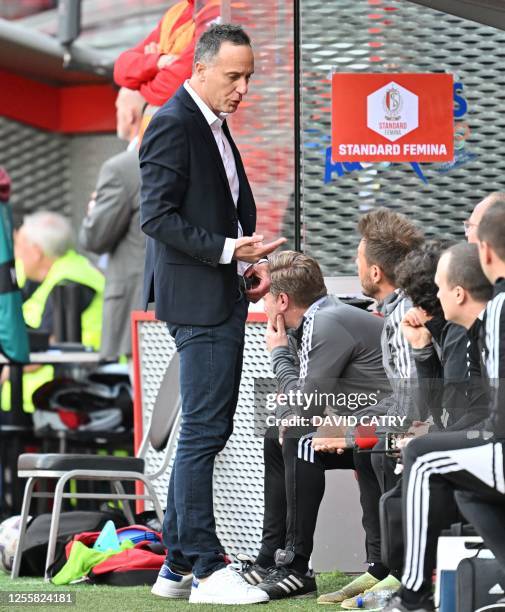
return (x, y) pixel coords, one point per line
(297, 124)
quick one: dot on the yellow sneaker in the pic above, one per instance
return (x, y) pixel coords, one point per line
(372, 598)
(360, 584)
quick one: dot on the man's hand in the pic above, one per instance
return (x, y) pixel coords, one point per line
(165, 60)
(330, 439)
(151, 48)
(422, 316)
(417, 429)
(329, 445)
(261, 282)
(413, 328)
(276, 336)
(252, 249)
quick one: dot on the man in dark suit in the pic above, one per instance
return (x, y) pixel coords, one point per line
(198, 211)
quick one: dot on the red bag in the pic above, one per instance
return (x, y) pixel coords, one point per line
(132, 567)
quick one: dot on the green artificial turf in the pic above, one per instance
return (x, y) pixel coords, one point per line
(139, 599)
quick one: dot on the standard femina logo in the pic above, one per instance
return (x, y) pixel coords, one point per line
(392, 111)
(392, 103)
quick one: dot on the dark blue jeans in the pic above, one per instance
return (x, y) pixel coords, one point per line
(210, 369)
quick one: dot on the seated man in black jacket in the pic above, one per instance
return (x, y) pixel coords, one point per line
(445, 348)
(469, 462)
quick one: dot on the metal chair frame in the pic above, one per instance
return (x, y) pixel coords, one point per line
(114, 477)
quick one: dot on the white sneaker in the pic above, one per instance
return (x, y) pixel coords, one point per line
(172, 585)
(225, 587)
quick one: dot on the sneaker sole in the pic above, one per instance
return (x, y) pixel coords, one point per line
(308, 595)
(175, 594)
(338, 603)
(219, 600)
(333, 603)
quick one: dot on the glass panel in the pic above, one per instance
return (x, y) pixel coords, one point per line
(263, 125)
(396, 36)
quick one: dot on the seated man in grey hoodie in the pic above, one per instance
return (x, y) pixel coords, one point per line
(330, 354)
(387, 237)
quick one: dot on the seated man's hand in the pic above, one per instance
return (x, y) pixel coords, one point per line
(329, 445)
(330, 439)
(417, 429)
(276, 336)
(252, 249)
(261, 281)
(413, 329)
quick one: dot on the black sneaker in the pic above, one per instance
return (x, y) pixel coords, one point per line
(249, 570)
(285, 582)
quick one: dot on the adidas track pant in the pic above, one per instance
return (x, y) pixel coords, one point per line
(434, 465)
(293, 490)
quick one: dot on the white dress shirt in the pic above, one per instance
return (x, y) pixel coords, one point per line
(216, 125)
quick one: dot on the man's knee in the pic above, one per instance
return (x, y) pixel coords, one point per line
(415, 449)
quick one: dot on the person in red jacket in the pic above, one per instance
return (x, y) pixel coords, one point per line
(160, 64)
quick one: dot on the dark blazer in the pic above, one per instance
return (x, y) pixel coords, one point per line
(187, 211)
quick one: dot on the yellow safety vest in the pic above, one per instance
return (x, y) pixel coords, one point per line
(71, 267)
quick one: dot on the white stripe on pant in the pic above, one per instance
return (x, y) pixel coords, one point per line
(484, 462)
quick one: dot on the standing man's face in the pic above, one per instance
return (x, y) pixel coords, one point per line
(225, 80)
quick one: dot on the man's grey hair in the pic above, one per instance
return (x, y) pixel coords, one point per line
(210, 41)
(51, 231)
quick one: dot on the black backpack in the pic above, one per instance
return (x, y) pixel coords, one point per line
(479, 583)
(391, 525)
(33, 560)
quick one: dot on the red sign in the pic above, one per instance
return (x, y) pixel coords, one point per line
(392, 117)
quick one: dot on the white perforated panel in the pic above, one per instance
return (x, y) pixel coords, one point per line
(238, 474)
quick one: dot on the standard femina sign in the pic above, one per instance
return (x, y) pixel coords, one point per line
(392, 117)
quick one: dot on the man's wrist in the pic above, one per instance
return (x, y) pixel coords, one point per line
(422, 348)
